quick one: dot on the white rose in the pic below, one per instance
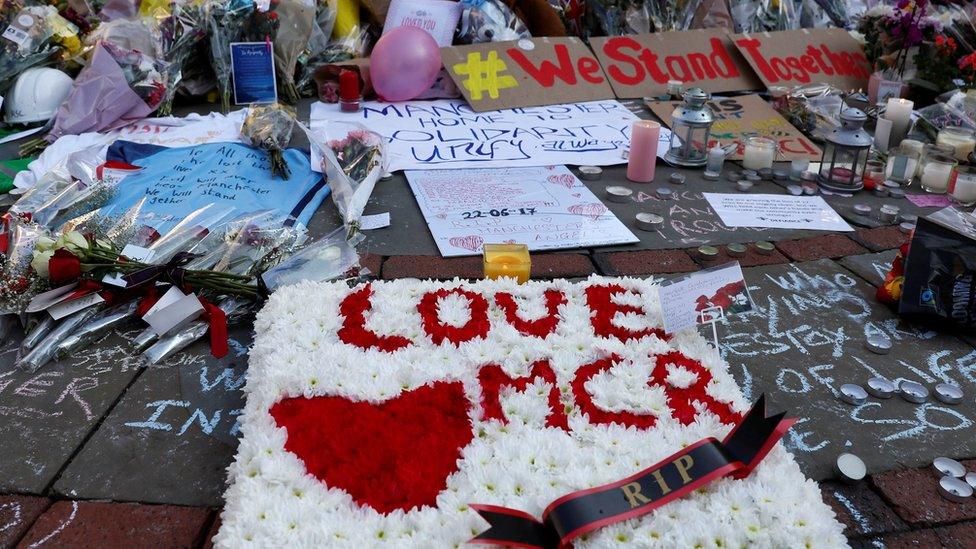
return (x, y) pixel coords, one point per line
(74, 242)
(44, 243)
(39, 262)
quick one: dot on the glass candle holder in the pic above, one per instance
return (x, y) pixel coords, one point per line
(759, 153)
(935, 171)
(902, 164)
(507, 260)
(874, 175)
(960, 140)
(962, 188)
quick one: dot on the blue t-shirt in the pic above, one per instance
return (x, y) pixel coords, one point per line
(175, 182)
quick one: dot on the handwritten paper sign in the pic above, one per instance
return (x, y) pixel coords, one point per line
(438, 17)
(749, 114)
(797, 57)
(683, 300)
(776, 211)
(641, 65)
(447, 134)
(545, 208)
(526, 73)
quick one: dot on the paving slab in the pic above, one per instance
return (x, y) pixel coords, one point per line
(871, 267)
(880, 238)
(819, 247)
(914, 495)
(861, 510)
(45, 415)
(103, 524)
(17, 514)
(647, 262)
(807, 338)
(171, 437)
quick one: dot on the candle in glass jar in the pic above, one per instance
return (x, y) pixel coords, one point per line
(507, 260)
(935, 177)
(643, 151)
(961, 141)
(759, 153)
(899, 112)
(962, 188)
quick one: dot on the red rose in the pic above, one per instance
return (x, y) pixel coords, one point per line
(64, 266)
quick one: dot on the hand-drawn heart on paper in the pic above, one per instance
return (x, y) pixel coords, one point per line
(565, 179)
(470, 242)
(383, 455)
(592, 210)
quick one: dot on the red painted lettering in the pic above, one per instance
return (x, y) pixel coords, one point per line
(589, 69)
(614, 49)
(678, 68)
(701, 67)
(750, 46)
(722, 61)
(547, 72)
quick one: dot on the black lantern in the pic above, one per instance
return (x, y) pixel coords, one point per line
(691, 126)
(845, 154)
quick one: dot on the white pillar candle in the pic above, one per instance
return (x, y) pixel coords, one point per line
(963, 189)
(758, 156)
(882, 134)
(899, 112)
(935, 177)
(961, 143)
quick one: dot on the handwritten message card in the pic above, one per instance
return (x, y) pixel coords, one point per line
(447, 134)
(685, 299)
(776, 211)
(545, 208)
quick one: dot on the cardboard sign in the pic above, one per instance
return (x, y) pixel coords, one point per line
(749, 114)
(641, 65)
(526, 73)
(797, 57)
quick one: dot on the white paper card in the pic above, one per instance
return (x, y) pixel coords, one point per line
(438, 17)
(16, 35)
(135, 253)
(683, 300)
(776, 211)
(447, 134)
(178, 310)
(545, 208)
(51, 297)
(66, 308)
(375, 221)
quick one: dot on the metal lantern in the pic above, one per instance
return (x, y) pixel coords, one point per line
(845, 154)
(691, 125)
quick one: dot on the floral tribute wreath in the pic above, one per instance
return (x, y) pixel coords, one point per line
(390, 413)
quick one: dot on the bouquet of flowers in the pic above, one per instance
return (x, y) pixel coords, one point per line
(178, 33)
(765, 15)
(32, 36)
(296, 19)
(892, 35)
(225, 24)
(269, 127)
(353, 159)
(118, 87)
(488, 21)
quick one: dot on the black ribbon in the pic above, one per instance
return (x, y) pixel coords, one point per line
(580, 512)
(172, 271)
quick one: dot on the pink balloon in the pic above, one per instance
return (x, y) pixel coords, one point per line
(404, 64)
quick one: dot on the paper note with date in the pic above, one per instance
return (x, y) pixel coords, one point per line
(683, 300)
(776, 211)
(545, 208)
(448, 135)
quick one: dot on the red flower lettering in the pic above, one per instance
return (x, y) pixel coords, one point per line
(541, 327)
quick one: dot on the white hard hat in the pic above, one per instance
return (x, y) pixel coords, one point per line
(36, 95)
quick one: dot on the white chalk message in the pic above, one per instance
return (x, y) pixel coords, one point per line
(776, 211)
(447, 134)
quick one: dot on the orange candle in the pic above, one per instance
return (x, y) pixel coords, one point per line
(507, 260)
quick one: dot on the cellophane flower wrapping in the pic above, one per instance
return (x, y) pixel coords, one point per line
(488, 21)
(269, 127)
(119, 87)
(225, 24)
(32, 36)
(19, 282)
(616, 17)
(178, 33)
(296, 19)
(353, 160)
(328, 258)
(765, 15)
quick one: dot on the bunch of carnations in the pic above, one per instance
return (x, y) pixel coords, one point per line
(269, 127)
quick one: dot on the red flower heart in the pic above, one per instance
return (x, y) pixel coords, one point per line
(393, 455)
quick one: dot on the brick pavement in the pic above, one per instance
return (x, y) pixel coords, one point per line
(893, 509)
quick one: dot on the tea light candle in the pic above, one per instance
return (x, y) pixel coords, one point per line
(647, 221)
(736, 250)
(878, 344)
(954, 489)
(899, 112)
(971, 479)
(880, 387)
(759, 153)
(947, 467)
(913, 391)
(507, 260)
(935, 177)
(850, 468)
(618, 194)
(765, 248)
(643, 151)
(743, 186)
(853, 394)
(948, 393)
